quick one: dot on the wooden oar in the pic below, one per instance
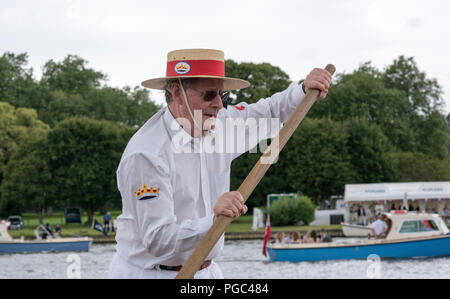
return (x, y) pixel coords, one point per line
(221, 222)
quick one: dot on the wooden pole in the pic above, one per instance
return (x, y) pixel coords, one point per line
(221, 223)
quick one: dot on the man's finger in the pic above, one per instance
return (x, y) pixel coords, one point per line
(238, 196)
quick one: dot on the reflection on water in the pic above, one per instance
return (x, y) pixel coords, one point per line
(239, 259)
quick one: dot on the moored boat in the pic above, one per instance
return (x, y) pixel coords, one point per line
(410, 236)
(355, 230)
(10, 245)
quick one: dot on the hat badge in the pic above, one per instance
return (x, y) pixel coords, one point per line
(182, 68)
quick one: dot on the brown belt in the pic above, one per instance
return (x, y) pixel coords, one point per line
(178, 268)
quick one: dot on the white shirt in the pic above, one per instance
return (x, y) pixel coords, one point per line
(378, 227)
(163, 224)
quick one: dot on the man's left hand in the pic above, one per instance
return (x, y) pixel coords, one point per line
(318, 79)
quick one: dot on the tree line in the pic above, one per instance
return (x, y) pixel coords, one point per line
(62, 136)
(374, 126)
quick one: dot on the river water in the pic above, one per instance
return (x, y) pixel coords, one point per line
(240, 259)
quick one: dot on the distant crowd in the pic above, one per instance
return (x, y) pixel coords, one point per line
(296, 238)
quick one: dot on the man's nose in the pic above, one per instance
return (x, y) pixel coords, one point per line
(217, 102)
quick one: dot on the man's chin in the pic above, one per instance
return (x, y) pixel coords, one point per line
(209, 124)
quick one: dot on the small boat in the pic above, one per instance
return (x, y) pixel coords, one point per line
(10, 245)
(355, 230)
(411, 236)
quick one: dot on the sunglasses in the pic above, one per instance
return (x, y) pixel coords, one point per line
(210, 95)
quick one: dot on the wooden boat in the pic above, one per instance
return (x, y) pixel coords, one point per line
(10, 245)
(411, 236)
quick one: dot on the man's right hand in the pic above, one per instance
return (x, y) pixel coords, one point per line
(230, 204)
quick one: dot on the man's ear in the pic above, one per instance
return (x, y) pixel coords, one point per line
(176, 93)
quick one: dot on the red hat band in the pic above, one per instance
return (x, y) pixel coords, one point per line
(176, 68)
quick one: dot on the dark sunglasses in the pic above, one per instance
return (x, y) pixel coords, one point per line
(210, 95)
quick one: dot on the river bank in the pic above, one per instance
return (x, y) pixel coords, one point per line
(230, 236)
(239, 229)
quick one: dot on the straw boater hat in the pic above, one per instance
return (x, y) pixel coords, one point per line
(196, 63)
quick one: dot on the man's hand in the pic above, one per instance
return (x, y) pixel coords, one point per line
(318, 79)
(230, 204)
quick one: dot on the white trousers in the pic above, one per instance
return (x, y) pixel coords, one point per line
(121, 269)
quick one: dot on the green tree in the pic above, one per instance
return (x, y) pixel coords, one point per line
(84, 155)
(416, 167)
(71, 88)
(71, 75)
(28, 183)
(290, 211)
(424, 94)
(363, 95)
(425, 99)
(317, 160)
(77, 90)
(16, 81)
(433, 132)
(16, 125)
(265, 80)
(371, 152)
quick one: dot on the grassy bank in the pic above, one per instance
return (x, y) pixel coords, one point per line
(31, 221)
(241, 224)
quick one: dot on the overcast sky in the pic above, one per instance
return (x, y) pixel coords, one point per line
(129, 40)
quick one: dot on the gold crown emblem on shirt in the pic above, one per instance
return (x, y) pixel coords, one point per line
(147, 191)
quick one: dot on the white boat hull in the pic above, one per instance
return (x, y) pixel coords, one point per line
(354, 230)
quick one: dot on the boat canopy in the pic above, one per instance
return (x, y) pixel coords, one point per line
(396, 191)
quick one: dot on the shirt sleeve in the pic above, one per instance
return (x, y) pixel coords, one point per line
(145, 185)
(262, 120)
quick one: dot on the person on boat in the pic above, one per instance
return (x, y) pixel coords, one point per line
(297, 238)
(289, 238)
(379, 227)
(324, 237)
(362, 215)
(311, 237)
(173, 184)
(307, 237)
(279, 238)
(315, 236)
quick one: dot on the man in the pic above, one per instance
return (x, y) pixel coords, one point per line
(379, 227)
(362, 215)
(324, 237)
(107, 221)
(172, 187)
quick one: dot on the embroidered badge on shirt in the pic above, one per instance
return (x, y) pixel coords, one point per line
(147, 193)
(240, 108)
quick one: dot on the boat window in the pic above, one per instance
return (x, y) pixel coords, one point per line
(428, 225)
(416, 226)
(409, 226)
